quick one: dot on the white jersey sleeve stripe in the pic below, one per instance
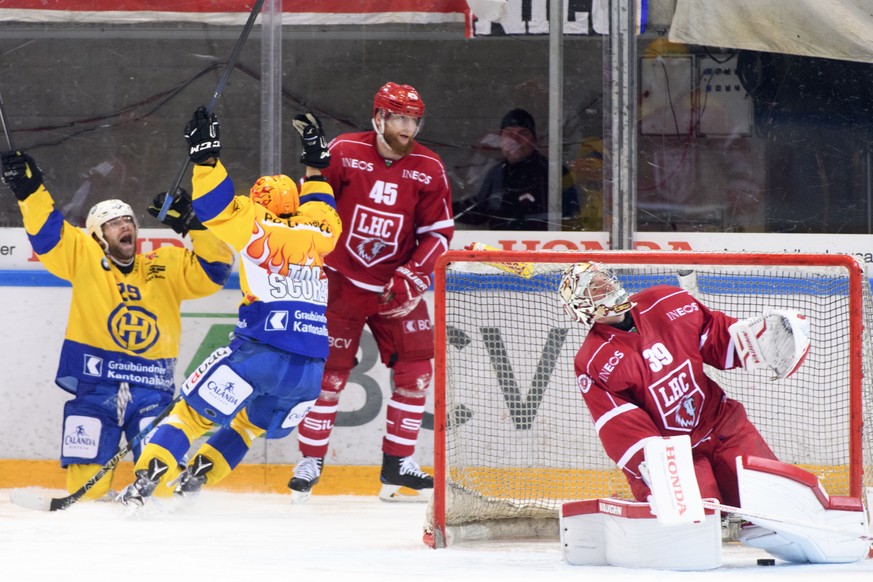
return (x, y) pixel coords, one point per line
(435, 226)
(612, 414)
(629, 453)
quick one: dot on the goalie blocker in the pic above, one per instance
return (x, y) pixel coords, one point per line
(777, 340)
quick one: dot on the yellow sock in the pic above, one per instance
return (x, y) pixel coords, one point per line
(220, 467)
(78, 475)
(153, 451)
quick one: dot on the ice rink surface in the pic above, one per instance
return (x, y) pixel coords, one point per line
(245, 537)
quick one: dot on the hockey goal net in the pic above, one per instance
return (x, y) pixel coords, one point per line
(513, 438)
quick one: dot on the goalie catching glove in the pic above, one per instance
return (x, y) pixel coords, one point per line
(404, 292)
(777, 340)
(180, 217)
(315, 153)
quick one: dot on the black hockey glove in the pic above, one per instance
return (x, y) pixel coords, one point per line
(202, 133)
(180, 217)
(21, 174)
(315, 153)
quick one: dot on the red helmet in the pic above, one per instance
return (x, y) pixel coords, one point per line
(399, 99)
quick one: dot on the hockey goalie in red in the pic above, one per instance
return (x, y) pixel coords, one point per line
(641, 373)
(394, 199)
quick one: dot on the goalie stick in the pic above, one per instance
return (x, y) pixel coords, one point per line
(39, 502)
(231, 63)
(709, 504)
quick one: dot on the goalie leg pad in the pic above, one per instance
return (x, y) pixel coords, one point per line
(617, 532)
(778, 489)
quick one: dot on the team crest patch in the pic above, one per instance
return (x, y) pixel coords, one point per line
(133, 328)
(686, 413)
(370, 248)
(679, 399)
(374, 235)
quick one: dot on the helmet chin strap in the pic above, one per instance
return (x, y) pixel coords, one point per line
(379, 128)
(105, 246)
(117, 261)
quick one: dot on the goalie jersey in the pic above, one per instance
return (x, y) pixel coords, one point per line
(121, 327)
(281, 268)
(651, 381)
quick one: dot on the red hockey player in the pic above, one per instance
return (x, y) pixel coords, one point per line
(394, 199)
(641, 373)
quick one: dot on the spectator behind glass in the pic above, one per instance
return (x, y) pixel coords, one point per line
(515, 193)
(588, 170)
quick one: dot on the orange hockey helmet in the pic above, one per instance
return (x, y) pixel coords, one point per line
(278, 194)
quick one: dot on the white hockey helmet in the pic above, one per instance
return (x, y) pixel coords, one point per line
(589, 291)
(103, 212)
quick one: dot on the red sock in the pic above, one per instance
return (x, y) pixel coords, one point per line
(403, 421)
(314, 432)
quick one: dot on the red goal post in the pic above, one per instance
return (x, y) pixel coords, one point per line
(513, 440)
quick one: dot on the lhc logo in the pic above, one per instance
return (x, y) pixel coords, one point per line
(133, 328)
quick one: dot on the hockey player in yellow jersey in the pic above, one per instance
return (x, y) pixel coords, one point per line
(268, 377)
(122, 336)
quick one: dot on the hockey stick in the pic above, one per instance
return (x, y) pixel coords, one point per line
(231, 63)
(669, 472)
(523, 269)
(764, 517)
(30, 500)
(9, 141)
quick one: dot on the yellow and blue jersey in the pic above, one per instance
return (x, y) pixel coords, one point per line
(281, 259)
(122, 327)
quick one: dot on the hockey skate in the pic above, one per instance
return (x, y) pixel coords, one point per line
(306, 475)
(147, 480)
(192, 478)
(400, 472)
